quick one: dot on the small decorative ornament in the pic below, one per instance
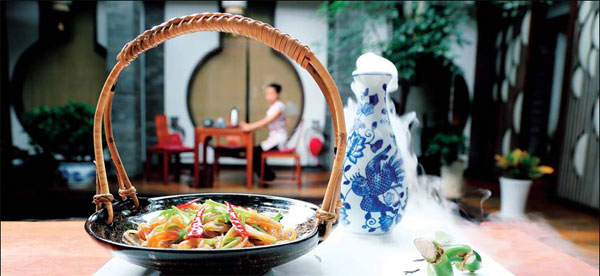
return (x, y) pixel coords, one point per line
(440, 257)
(373, 192)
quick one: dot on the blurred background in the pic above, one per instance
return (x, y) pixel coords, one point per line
(499, 74)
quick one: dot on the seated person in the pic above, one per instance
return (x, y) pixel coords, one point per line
(276, 121)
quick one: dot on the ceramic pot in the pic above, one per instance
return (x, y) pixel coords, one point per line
(452, 176)
(373, 191)
(207, 123)
(234, 117)
(220, 123)
(513, 196)
(78, 175)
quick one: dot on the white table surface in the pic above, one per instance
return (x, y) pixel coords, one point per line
(345, 253)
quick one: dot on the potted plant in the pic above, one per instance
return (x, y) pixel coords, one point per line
(519, 169)
(65, 133)
(452, 149)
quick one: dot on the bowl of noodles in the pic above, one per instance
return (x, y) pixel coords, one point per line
(209, 233)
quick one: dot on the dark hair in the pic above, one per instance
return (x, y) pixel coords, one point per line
(277, 87)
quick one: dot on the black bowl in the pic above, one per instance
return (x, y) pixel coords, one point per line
(254, 260)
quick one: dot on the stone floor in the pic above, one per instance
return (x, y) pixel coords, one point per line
(572, 223)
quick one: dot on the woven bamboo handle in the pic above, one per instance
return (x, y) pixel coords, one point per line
(228, 23)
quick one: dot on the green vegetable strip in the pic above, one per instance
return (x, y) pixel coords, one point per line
(168, 212)
(164, 212)
(212, 241)
(259, 229)
(224, 208)
(172, 226)
(233, 243)
(187, 217)
(206, 214)
(223, 212)
(182, 234)
(228, 236)
(278, 217)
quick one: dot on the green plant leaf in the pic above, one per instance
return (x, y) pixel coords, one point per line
(66, 130)
(416, 33)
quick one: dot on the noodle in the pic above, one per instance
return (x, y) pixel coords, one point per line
(210, 225)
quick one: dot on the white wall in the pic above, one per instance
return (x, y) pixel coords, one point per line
(182, 54)
(466, 55)
(375, 33)
(101, 28)
(301, 21)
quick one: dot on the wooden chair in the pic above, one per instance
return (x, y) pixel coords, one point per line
(168, 145)
(286, 153)
(233, 147)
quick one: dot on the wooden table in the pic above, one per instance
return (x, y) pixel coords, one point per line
(201, 137)
(50, 248)
(64, 248)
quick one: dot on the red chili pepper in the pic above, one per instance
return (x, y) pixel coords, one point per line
(196, 230)
(187, 204)
(235, 221)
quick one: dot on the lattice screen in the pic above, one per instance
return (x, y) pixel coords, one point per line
(579, 163)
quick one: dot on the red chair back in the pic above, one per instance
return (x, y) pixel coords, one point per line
(162, 129)
(175, 139)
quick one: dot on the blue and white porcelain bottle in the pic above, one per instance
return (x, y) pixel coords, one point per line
(373, 191)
